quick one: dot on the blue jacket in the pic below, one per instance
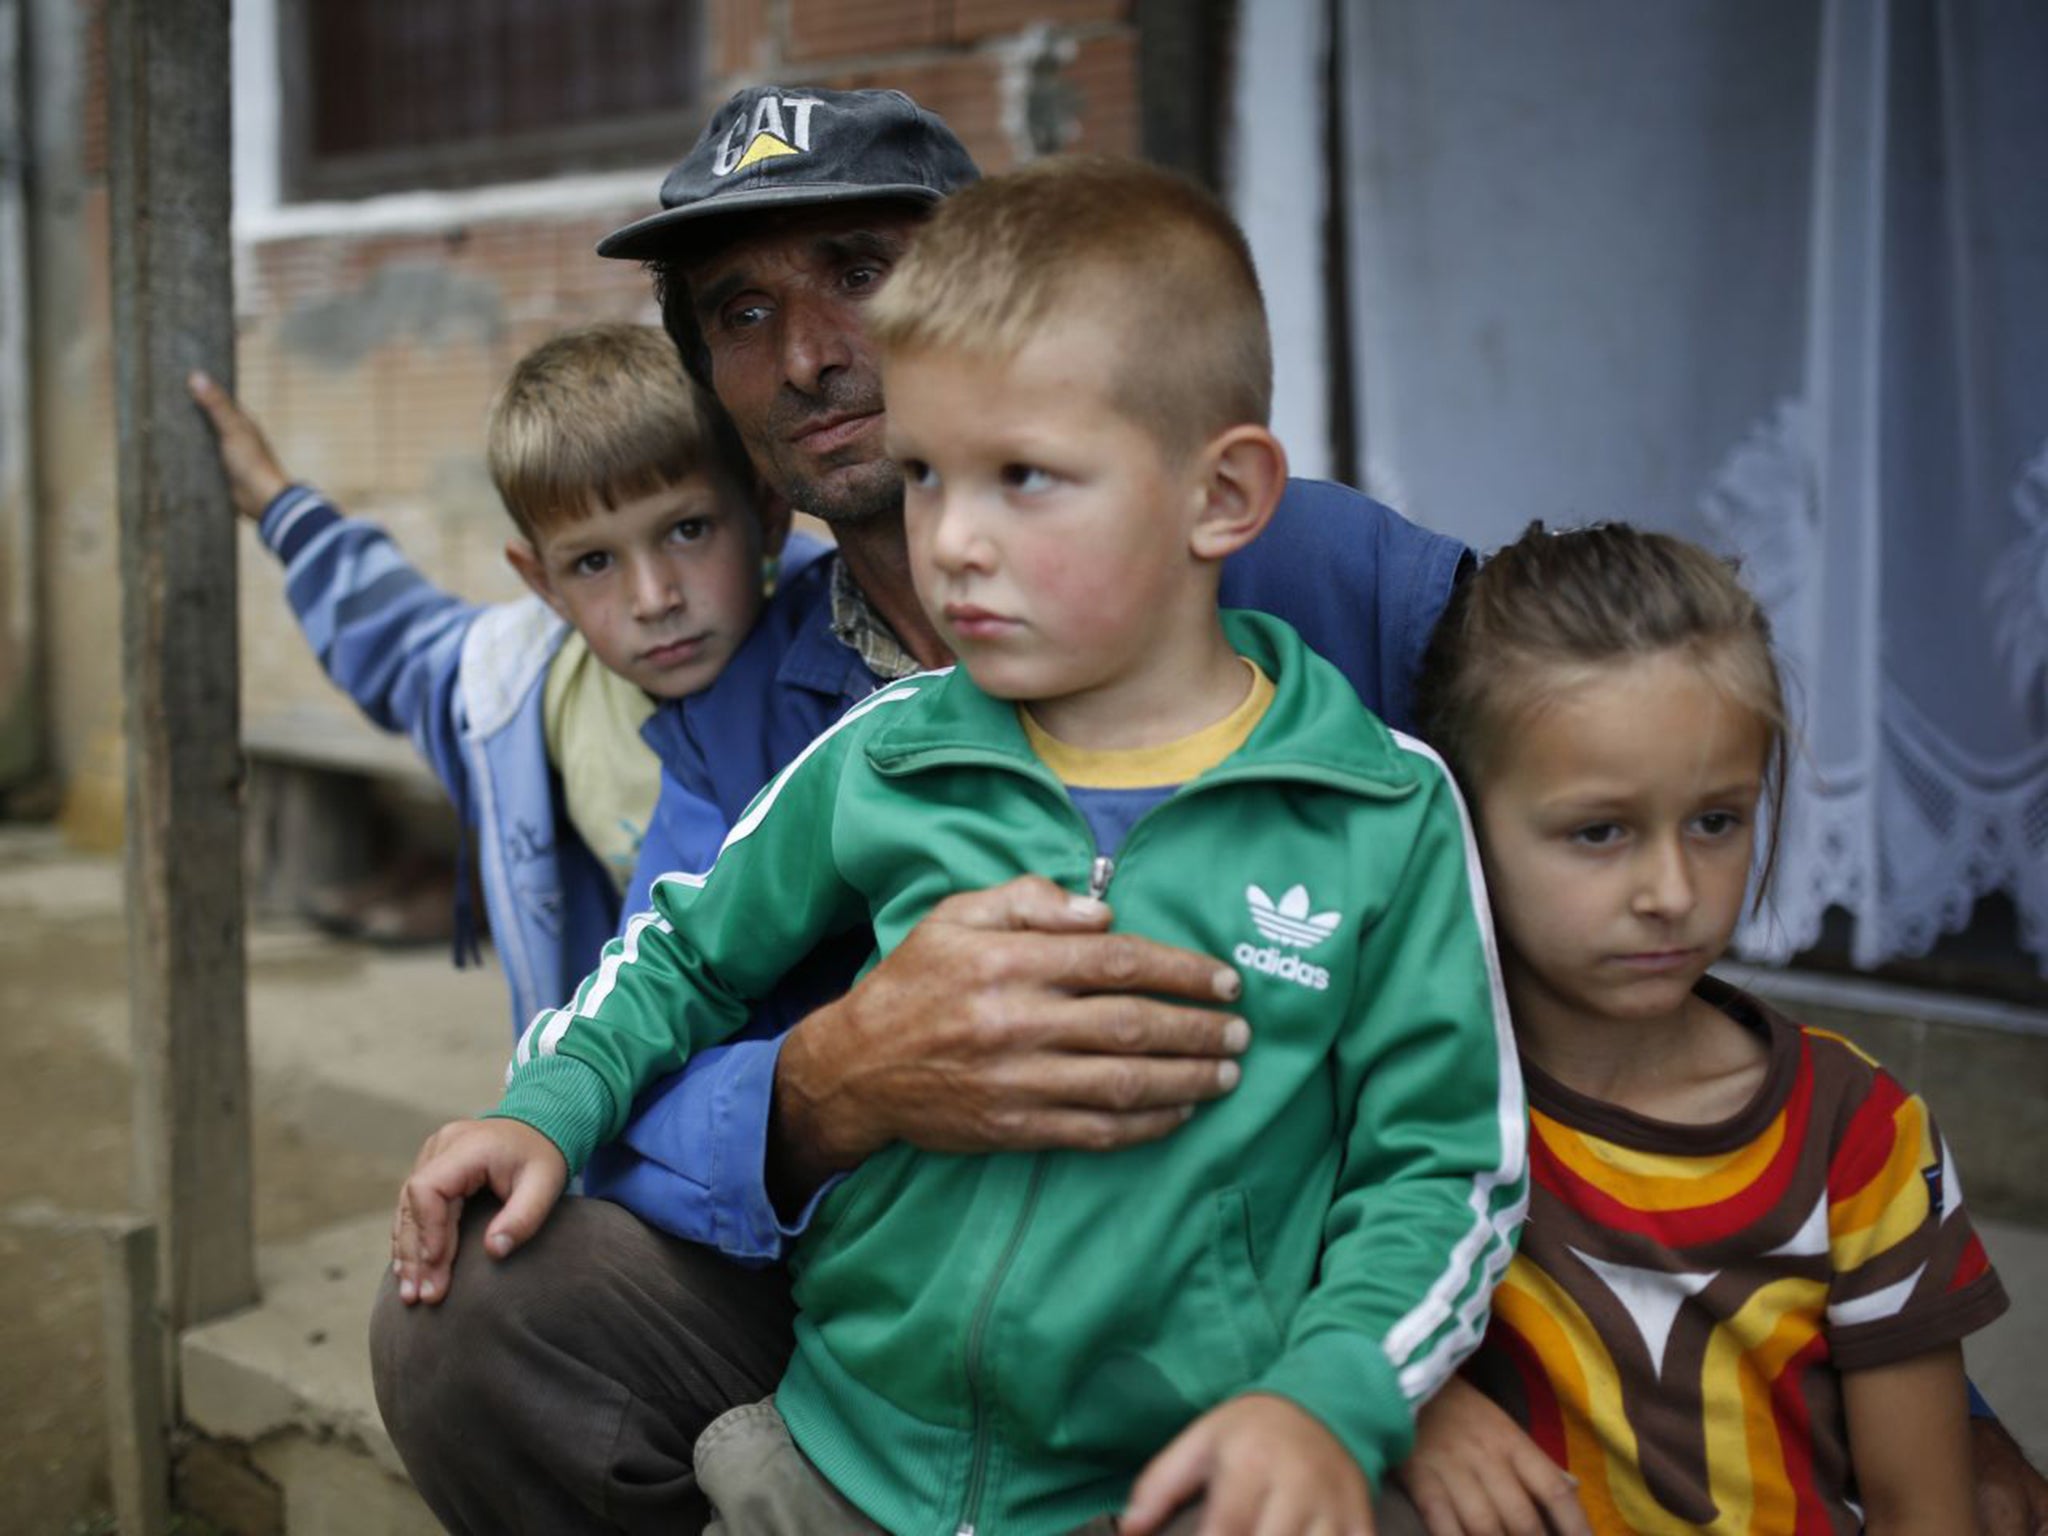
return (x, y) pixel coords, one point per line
(1361, 584)
(464, 681)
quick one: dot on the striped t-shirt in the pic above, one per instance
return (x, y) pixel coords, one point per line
(1673, 1328)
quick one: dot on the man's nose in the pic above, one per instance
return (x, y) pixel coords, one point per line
(818, 336)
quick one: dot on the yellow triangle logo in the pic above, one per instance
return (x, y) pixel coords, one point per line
(765, 147)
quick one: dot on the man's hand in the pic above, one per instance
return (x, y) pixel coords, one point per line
(1006, 1020)
(522, 1168)
(2012, 1497)
(1475, 1472)
(1259, 1464)
(254, 476)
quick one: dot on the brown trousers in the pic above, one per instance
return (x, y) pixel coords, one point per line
(566, 1388)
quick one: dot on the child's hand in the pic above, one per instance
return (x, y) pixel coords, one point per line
(1476, 1473)
(254, 476)
(522, 1167)
(1260, 1465)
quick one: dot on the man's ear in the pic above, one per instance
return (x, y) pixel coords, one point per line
(1244, 470)
(524, 559)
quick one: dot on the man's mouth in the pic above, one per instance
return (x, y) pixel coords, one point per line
(828, 434)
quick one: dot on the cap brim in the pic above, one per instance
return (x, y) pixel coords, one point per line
(669, 232)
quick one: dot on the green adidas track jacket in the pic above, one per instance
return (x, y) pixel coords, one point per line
(999, 1343)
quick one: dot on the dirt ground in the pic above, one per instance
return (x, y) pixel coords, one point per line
(64, 1103)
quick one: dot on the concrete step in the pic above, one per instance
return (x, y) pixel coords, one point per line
(287, 1384)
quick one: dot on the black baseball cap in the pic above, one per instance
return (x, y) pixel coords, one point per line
(777, 146)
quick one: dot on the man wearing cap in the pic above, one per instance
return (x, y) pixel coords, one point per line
(565, 1389)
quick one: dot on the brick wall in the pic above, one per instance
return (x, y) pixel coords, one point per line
(371, 357)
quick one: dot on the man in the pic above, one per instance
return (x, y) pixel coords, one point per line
(565, 1390)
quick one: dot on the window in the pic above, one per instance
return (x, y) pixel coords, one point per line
(383, 95)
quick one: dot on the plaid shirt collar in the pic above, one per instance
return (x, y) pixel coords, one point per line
(856, 624)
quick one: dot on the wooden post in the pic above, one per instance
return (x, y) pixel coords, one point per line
(138, 1380)
(168, 72)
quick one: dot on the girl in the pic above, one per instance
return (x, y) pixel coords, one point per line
(1738, 1300)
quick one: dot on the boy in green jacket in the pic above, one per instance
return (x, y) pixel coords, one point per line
(1246, 1314)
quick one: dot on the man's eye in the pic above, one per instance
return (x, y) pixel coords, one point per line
(741, 317)
(864, 276)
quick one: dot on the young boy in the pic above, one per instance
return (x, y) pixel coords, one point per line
(1078, 377)
(645, 539)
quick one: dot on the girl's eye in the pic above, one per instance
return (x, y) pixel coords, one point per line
(916, 472)
(690, 530)
(1027, 478)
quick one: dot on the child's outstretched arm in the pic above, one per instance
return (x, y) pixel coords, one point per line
(1258, 1463)
(1909, 1443)
(524, 1169)
(1476, 1472)
(255, 478)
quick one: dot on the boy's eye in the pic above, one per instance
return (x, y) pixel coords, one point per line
(916, 472)
(592, 563)
(1028, 478)
(690, 530)
(1601, 834)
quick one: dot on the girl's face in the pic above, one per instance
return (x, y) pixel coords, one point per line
(1617, 827)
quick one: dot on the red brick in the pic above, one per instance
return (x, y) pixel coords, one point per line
(825, 29)
(745, 39)
(977, 19)
(1104, 76)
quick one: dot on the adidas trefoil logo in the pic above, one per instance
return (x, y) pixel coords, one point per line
(1287, 922)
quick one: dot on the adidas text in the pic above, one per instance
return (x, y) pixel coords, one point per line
(1283, 966)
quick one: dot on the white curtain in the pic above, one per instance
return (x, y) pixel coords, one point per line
(1774, 276)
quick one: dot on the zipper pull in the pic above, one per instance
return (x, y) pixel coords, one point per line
(1099, 875)
(966, 1529)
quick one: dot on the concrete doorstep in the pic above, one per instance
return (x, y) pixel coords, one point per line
(289, 1382)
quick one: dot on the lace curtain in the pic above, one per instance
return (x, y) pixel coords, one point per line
(1772, 276)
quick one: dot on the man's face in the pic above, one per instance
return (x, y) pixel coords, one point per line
(779, 311)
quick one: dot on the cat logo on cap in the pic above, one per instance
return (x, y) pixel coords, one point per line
(778, 126)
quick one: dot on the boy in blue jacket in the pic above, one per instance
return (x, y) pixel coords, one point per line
(647, 543)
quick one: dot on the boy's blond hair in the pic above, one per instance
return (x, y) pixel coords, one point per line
(603, 415)
(1118, 242)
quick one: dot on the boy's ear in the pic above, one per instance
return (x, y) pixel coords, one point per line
(1244, 472)
(524, 559)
